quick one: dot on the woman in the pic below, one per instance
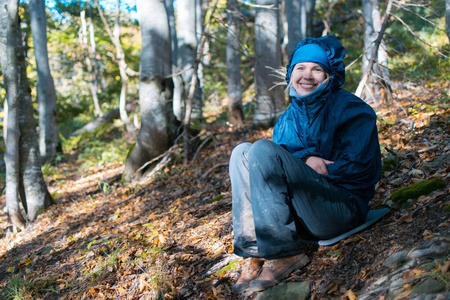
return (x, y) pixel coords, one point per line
(315, 180)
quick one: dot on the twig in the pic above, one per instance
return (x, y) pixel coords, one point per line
(201, 146)
(417, 37)
(428, 148)
(132, 197)
(258, 6)
(213, 168)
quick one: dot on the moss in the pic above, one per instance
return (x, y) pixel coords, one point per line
(418, 189)
(447, 208)
(389, 163)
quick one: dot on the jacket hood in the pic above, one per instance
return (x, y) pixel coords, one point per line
(335, 53)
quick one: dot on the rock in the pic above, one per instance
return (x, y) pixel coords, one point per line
(428, 286)
(441, 296)
(396, 260)
(397, 282)
(287, 291)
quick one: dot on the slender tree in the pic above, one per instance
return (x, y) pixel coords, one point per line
(235, 113)
(270, 99)
(380, 72)
(90, 64)
(157, 129)
(49, 142)
(23, 161)
(120, 59)
(188, 36)
(447, 18)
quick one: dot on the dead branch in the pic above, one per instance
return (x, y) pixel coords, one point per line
(219, 165)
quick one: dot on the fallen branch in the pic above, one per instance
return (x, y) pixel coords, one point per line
(213, 168)
(106, 118)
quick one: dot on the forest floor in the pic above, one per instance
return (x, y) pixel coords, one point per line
(165, 235)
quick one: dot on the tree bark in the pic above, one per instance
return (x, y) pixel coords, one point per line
(299, 15)
(120, 58)
(372, 28)
(447, 19)
(23, 162)
(49, 142)
(235, 113)
(270, 99)
(188, 36)
(155, 88)
(10, 69)
(93, 83)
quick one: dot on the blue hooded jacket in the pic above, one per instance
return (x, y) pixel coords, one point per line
(336, 125)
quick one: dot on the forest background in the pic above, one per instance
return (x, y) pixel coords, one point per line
(116, 238)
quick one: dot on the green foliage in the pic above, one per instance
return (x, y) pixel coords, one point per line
(417, 189)
(447, 208)
(99, 147)
(21, 287)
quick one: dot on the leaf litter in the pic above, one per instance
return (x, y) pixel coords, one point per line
(170, 235)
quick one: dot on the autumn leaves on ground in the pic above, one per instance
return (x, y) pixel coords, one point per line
(166, 235)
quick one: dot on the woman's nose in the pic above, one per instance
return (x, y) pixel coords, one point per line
(308, 74)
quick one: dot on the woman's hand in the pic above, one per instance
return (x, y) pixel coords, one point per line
(318, 164)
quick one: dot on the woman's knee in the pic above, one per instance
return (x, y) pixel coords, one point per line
(239, 153)
(263, 149)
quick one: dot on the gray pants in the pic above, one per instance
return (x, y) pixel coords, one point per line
(278, 200)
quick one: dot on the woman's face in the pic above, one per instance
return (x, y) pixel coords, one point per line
(306, 77)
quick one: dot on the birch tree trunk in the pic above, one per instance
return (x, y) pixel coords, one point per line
(188, 35)
(270, 99)
(299, 16)
(235, 113)
(372, 26)
(23, 161)
(157, 129)
(49, 142)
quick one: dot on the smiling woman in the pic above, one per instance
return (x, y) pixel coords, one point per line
(315, 180)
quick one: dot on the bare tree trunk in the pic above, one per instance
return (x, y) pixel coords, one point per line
(120, 58)
(270, 99)
(156, 134)
(447, 18)
(193, 85)
(235, 113)
(9, 63)
(372, 27)
(23, 162)
(299, 15)
(35, 195)
(93, 83)
(188, 35)
(49, 142)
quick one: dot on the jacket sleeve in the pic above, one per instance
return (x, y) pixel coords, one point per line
(356, 155)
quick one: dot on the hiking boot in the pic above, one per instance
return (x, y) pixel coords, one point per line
(249, 272)
(276, 270)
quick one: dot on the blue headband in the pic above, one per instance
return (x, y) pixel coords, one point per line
(312, 53)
